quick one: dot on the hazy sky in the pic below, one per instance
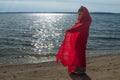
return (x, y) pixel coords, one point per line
(59, 5)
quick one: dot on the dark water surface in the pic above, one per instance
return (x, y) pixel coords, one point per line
(35, 37)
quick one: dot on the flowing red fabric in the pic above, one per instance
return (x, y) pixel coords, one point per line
(72, 52)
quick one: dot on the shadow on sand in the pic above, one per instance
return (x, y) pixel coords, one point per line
(79, 76)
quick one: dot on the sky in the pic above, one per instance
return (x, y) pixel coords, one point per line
(59, 5)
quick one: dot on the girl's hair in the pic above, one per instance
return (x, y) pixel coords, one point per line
(80, 9)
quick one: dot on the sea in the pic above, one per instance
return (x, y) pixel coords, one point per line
(36, 37)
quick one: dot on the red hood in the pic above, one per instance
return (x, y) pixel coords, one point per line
(85, 16)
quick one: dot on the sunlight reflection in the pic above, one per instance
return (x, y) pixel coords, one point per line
(45, 32)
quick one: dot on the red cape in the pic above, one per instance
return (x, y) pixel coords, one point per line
(72, 52)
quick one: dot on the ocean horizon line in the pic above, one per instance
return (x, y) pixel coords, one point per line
(60, 12)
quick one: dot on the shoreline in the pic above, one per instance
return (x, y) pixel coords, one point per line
(37, 56)
(101, 67)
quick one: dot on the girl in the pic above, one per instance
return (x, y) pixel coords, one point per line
(72, 52)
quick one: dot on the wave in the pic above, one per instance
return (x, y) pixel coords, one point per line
(105, 38)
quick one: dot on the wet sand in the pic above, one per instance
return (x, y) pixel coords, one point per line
(103, 67)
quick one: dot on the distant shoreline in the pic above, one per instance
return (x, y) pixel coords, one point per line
(57, 12)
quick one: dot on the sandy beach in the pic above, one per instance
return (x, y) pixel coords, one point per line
(102, 67)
